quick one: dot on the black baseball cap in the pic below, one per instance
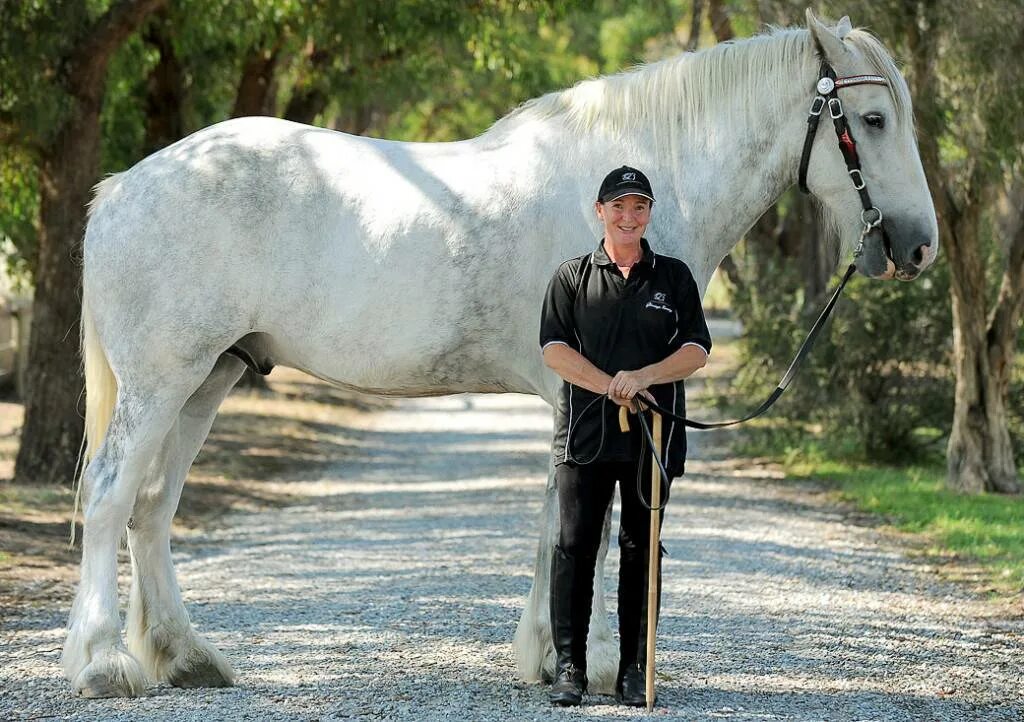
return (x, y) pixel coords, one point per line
(624, 181)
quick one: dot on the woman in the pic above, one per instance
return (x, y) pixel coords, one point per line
(617, 322)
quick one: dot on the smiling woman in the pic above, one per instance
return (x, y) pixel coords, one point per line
(617, 322)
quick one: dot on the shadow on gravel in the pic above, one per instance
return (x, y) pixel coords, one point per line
(315, 448)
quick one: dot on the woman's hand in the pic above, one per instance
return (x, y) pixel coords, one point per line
(625, 385)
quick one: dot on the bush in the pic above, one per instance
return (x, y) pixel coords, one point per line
(878, 381)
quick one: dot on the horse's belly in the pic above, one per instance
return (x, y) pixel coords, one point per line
(390, 367)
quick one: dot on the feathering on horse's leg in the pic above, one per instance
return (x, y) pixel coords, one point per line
(95, 658)
(535, 654)
(160, 633)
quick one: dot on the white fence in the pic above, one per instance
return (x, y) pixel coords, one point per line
(15, 321)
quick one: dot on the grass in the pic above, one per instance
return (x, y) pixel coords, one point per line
(983, 535)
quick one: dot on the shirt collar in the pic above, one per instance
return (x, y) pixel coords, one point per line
(600, 257)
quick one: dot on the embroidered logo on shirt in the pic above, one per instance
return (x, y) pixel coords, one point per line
(659, 302)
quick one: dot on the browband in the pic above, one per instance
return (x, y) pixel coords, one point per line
(860, 80)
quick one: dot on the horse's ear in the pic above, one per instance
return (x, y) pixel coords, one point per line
(844, 27)
(829, 42)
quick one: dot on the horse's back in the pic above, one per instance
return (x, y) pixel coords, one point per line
(340, 249)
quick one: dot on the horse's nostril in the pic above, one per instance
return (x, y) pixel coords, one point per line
(918, 256)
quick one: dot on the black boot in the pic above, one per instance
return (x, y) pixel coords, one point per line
(631, 684)
(572, 592)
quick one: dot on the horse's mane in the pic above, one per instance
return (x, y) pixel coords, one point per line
(734, 82)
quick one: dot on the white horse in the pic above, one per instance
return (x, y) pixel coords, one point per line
(409, 269)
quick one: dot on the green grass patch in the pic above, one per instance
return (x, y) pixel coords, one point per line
(986, 529)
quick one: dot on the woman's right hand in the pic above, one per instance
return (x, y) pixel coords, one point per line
(628, 403)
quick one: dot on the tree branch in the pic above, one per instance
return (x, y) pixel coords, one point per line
(695, 21)
(87, 62)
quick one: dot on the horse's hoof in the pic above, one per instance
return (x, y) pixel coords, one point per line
(201, 666)
(113, 673)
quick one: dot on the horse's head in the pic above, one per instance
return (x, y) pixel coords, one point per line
(881, 124)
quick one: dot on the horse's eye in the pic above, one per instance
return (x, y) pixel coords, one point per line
(875, 120)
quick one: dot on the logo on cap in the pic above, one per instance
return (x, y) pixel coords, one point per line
(629, 176)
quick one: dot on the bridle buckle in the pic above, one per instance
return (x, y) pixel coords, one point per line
(817, 105)
(858, 179)
(835, 108)
(868, 225)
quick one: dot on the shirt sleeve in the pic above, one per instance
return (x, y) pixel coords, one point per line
(557, 324)
(691, 327)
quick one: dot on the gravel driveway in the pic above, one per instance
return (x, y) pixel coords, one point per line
(391, 591)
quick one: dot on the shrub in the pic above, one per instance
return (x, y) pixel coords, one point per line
(879, 378)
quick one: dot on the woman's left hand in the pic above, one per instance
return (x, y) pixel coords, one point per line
(627, 384)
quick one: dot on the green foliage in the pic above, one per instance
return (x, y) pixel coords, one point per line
(19, 209)
(34, 36)
(878, 378)
(123, 119)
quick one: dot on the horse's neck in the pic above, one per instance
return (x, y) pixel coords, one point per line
(719, 194)
(712, 183)
(708, 198)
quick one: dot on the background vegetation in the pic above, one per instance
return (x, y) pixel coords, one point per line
(928, 372)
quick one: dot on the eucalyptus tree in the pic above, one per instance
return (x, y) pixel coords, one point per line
(54, 58)
(968, 83)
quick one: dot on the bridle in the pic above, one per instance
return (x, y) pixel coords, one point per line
(827, 96)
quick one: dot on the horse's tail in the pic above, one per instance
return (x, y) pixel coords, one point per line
(100, 384)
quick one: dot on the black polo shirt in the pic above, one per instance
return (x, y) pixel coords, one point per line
(617, 324)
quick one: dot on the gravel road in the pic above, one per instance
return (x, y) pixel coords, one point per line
(392, 589)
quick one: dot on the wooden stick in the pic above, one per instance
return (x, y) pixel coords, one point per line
(652, 568)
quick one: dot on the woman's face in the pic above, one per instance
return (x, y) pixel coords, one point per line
(624, 218)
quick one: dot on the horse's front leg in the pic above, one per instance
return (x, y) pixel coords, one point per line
(535, 654)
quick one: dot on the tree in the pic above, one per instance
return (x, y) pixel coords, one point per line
(66, 49)
(55, 77)
(969, 99)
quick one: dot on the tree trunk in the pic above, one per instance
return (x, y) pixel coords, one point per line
(165, 89)
(52, 431)
(818, 259)
(721, 25)
(979, 455)
(254, 96)
(695, 22)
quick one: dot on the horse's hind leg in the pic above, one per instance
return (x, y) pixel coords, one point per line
(95, 659)
(160, 633)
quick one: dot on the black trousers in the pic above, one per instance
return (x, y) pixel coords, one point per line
(584, 494)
